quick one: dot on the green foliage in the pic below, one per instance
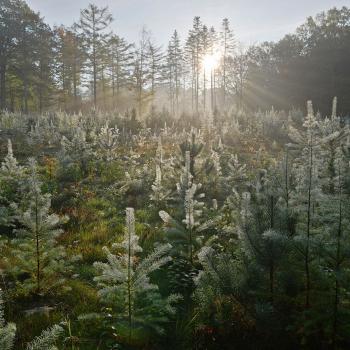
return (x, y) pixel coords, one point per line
(35, 252)
(133, 303)
(271, 230)
(7, 331)
(46, 340)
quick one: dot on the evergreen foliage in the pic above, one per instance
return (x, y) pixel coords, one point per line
(7, 330)
(35, 249)
(134, 302)
(243, 209)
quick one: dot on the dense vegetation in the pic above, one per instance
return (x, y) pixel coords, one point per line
(155, 200)
(192, 234)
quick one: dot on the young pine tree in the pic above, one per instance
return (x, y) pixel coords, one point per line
(307, 192)
(36, 252)
(336, 245)
(135, 303)
(265, 245)
(160, 193)
(11, 177)
(77, 152)
(108, 143)
(186, 234)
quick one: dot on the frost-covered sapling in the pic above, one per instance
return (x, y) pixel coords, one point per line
(36, 253)
(134, 304)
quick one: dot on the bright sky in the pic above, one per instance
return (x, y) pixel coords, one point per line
(252, 20)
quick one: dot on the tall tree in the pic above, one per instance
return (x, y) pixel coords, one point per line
(174, 70)
(141, 70)
(70, 60)
(194, 54)
(206, 49)
(227, 47)
(10, 13)
(120, 60)
(156, 64)
(213, 46)
(93, 24)
(237, 69)
(29, 56)
(45, 70)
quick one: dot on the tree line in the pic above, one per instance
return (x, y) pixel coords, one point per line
(87, 65)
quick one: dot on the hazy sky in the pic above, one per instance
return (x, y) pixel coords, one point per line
(252, 20)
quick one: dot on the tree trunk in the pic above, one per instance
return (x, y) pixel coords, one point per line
(337, 268)
(3, 85)
(307, 253)
(25, 97)
(38, 276)
(272, 281)
(129, 286)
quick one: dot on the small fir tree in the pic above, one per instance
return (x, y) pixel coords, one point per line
(135, 303)
(36, 252)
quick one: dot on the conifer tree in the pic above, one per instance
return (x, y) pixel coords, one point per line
(11, 178)
(335, 250)
(164, 171)
(108, 142)
(120, 61)
(159, 195)
(70, 61)
(194, 52)
(220, 290)
(124, 285)
(93, 24)
(174, 71)
(194, 145)
(205, 38)
(46, 340)
(187, 235)
(264, 243)
(36, 252)
(214, 175)
(212, 51)
(236, 173)
(77, 151)
(45, 74)
(283, 183)
(227, 46)
(142, 71)
(307, 184)
(333, 135)
(156, 65)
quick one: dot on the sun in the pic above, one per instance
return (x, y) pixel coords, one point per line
(210, 62)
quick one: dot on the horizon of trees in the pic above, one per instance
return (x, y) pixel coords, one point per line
(86, 65)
